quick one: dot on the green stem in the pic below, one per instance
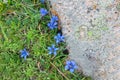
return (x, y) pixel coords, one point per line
(59, 71)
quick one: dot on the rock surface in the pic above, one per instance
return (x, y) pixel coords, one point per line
(92, 31)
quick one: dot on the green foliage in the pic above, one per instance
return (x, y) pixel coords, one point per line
(21, 26)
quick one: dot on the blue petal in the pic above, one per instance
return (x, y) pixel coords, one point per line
(52, 21)
(51, 27)
(75, 67)
(27, 54)
(56, 49)
(49, 48)
(58, 34)
(66, 67)
(55, 37)
(55, 23)
(53, 46)
(71, 70)
(42, 1)
(50, 52)
(55, 18)
(62, 37)
(55, 53)
(43, 11)
(57, 41)
(25, 51)
(73, 63)
(68, 62)
(48, 24)
(25, 57)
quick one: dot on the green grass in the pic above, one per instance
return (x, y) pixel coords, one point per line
(21, 26)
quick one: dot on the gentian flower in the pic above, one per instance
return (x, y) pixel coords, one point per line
(42, 1)
(52, 25)
(71, 66)
(53, 22)
(43, 12)
(54, 18)
(24, 53)
(52, 49)
(59, 38)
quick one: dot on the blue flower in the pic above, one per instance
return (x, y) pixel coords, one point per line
(52, 49)
(24, 53)
(54, 18)
(42, 1)
(52, 25)
(71, 66)
(43, 12)
(59, 38)
(53, 22)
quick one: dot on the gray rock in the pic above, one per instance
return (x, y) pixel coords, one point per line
(92, 31)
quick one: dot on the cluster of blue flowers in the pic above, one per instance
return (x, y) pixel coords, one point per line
(70, 65)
